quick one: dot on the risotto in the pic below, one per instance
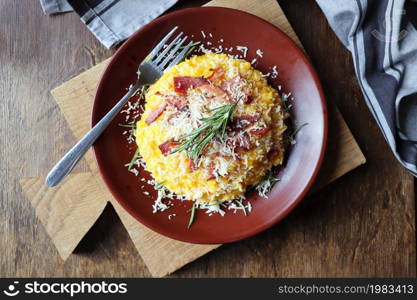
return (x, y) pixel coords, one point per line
(212, 127)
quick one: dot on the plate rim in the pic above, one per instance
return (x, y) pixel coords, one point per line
(272, 221)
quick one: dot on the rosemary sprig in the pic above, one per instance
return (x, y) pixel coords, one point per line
(294, 133)
(192, 216)
(265, 185)
(134, 159)
(132, 130)
(192, 45)
(133, 125)
(195, 142)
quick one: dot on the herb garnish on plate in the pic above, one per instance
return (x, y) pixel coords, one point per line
(195, 142)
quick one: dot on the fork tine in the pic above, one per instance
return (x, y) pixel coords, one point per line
(181, 55)
(171, 54)
(170, 45)
(158, 47)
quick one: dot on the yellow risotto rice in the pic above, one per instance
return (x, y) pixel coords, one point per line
(224, 171)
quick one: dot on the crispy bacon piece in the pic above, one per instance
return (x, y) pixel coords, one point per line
(153, 115)
(248, 99)
(218, 154)
(259, 131)
(183, 83)
(218, 74)
(237, 89)
(180, 103)
(271, 154)
(192, 166)
(180, 106)
(215, 93)
(243, 142)
(244, 121)
(210, 170)
(167, 147)
(239, 141)
(172, 116)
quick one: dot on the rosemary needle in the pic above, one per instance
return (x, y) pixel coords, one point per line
(298, 129)
(134, 159)
(128, 125)
(192, 216)
(193, 44)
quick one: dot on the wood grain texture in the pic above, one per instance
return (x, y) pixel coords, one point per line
(361, 225)
(67, 211)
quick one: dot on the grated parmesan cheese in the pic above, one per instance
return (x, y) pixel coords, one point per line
(259, 53)
(218, 49)
(203, 49)
(171, 216)
(274, 72)
(134, 171)
(249, 206)
(243, 49)
(158, 204)
(211, 208)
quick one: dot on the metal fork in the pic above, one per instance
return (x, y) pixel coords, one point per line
(149, 71)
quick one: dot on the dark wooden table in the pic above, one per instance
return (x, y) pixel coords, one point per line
(361, 225)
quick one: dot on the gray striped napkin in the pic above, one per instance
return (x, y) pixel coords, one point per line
(382, 37)
(111, 21)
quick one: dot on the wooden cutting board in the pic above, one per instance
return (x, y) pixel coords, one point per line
(69, 210)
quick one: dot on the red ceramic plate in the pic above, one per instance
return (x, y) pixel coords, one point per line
(296, 74)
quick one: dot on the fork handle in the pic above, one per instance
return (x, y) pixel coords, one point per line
(71, 158)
